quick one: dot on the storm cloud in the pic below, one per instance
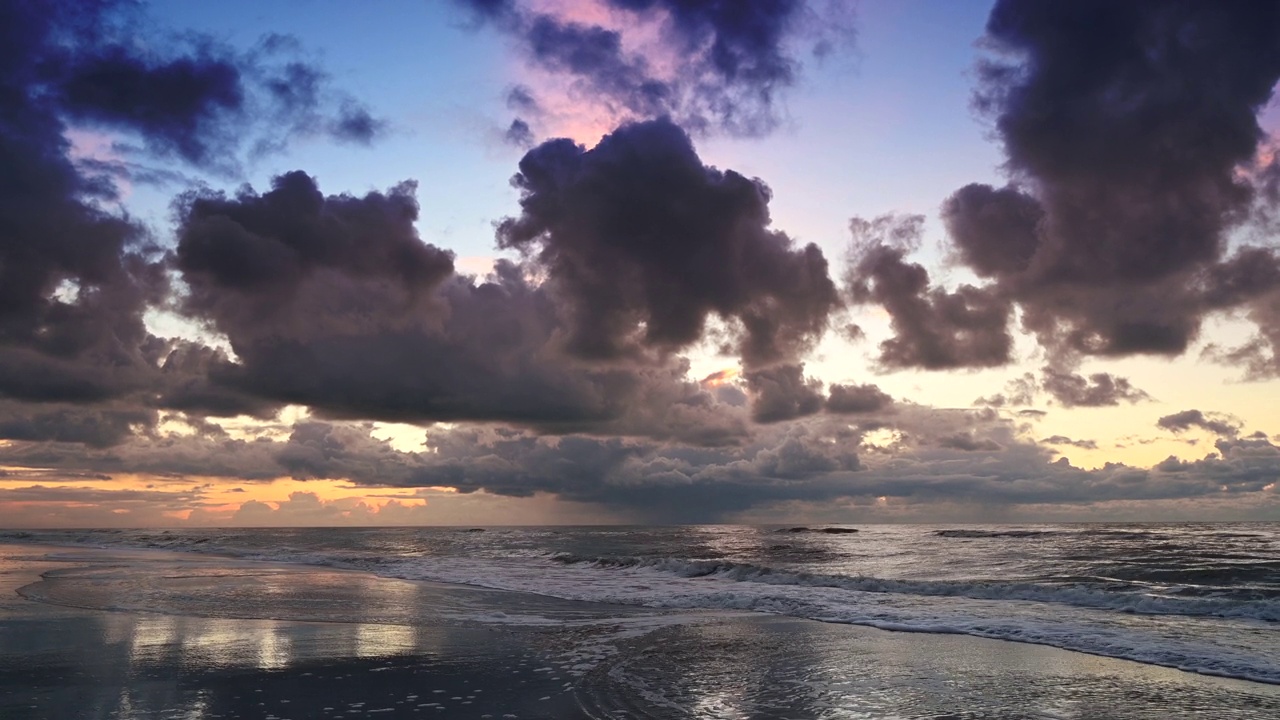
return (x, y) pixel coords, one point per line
(642, 244)
(1126, 127)
(76, 277)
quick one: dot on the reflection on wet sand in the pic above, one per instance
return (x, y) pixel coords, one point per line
(96, 654)
(133, 666)
(783, 668)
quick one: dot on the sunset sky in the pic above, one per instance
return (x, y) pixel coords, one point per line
(474, 262)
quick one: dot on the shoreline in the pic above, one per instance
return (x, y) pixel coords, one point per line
(529, 656)
(443, 586)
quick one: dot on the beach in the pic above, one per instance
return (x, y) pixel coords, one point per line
(109, 633)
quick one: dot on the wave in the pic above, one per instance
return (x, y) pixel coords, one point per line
(825, 530)
(1136, 600)
(1091, 613)
(967, 533)
(1088, 621)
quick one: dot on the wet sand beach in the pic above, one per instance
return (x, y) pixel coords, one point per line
(120, 634)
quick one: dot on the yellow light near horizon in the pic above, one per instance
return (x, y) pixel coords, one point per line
(216, 499)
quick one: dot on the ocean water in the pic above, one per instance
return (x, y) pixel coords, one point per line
(1198, 597)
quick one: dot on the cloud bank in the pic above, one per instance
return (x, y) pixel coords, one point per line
(1138, 194)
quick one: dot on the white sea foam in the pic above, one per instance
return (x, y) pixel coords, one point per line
(1070, 594)
(1213, 646)
(1140, 607)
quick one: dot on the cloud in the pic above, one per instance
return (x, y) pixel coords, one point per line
(1126, 128)
(1064, 440)
(1068, 388)
(334, 302)
(181, 106)
(1098, 390)
(968, 443)
(642, 243)
(933, 329)
(711, 66)
(943, 457)
(1217, 423)
(189, 97)
(92, 426)
(292, 261)
(519, 134)
(783, 393)
(77, 277)
(852, 399)
(74, 278)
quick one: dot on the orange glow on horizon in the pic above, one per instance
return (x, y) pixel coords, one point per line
(201, 500)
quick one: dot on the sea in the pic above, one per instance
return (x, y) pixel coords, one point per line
(1199, 597)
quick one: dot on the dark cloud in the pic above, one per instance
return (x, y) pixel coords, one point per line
(519, 134)
(642, 244)
(184, 382)
(1097, 390)
(291, 260)
(1259, 356)
(74, 278)
(356, 124)
(968, 443)
(783, 393)
(185, 106)
(93, 426)
(954, 457)
(1216, 423)
(334, 302)
(934, 329)
(733, 59)
(191, 98)
(994, 230)
(77, 363)
(1064, 440)
(595, 54)
(851, 399)
(1125, 126)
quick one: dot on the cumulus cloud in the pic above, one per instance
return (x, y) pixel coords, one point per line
(642, 243)
(334, 302)
(1217, 423)
(851, 399)
(1125, 127)
(934, 329)
(76, 277)
(783, 393)
(564, 371)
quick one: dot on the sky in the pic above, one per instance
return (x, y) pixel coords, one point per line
(484, 262)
